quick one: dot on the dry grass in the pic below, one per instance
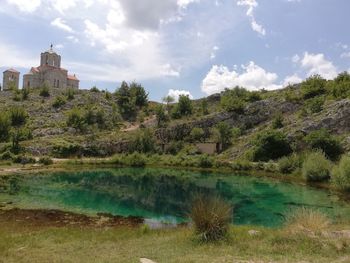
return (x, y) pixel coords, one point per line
(307, 220)
(211, 217)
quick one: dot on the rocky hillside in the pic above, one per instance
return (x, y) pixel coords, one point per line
(52, 135)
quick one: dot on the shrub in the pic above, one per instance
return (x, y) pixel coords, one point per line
(7, 156)
(270, 145)
(5, 126)
(136, 160)
(313, 86)
(316, 167)
(197, 135)
(25, 93)
(211, 217)
(323, 140)
(304, 220)
(45, 91)
(223, 134)
(22, 159)
(70, 93)
(18, 116)
(46, 160)
(277, 122)
(315, 105)
(143, 142)
(76, 119)
(289, 164)
(94, 89)
(59, 102)
(205, 161)
(175, 147)
(340, 176)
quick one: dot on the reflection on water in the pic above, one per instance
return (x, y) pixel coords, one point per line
(164, 196)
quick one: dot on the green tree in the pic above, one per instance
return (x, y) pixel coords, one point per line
(204, 107)
(316, 167)
(168, 100)
(224, 134)
(126, 102)
(161, 116)
(323, 140)
(183, 108)
(234, 100)
(270, 145)
(139, 93)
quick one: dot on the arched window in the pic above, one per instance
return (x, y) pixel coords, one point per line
(47, 59)
(28, 84)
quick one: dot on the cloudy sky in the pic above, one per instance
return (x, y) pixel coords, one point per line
(197, 47)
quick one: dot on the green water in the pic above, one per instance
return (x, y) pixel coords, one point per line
(164, 194)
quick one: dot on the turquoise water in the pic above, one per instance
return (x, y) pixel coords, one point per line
(165, 195)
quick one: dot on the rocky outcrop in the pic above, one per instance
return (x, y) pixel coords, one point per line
(254, 114)
(335, 119)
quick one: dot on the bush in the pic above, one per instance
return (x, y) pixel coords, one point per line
(205, 161)
(197, 135)
(59, 102)
(323, 140)
(315, 105)
(136, 160)
(46, 160)
(302, 220)
(316, 167)
(76, 119)
(70, 93)
(313, 86)
(270, 145)
(45, 91)
(223, 134)
(7, 156)
(22, 159)
(211, 217)
(277, 122)
(18, 116)
(143, 142)
(175, 147)
(289, 164)
(5, 127)
(340, 176)
(94, 89)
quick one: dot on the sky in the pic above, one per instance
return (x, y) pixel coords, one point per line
(173, 47)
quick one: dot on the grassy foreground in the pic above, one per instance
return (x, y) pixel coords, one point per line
(21, 243)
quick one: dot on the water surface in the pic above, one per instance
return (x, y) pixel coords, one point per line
(165, 195)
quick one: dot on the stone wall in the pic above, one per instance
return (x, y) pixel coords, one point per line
(10, 78)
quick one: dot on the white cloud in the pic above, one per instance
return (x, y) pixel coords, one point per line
(27, 6)
(295, 58)
(63, 5)
(293, 79)
(176, 94)
(12, 56)
(318, 64)
(252, 4)
(73, 39)
(185, 3)
(213, 52)
(345, 55)
(61, 24)
(253, 77)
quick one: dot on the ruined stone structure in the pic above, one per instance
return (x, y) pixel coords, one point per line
(49, 73)
(10, 79)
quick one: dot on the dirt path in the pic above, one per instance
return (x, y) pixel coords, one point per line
(147, 123)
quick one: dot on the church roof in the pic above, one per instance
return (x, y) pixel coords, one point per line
(11, 70)
(72, 77)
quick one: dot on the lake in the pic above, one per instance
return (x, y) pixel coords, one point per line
(165, 195)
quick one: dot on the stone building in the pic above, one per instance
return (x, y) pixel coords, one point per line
(10, 79)
(50, 72)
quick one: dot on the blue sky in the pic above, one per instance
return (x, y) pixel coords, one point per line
(196, 47)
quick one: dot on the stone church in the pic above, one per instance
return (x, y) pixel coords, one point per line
(49, 72)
